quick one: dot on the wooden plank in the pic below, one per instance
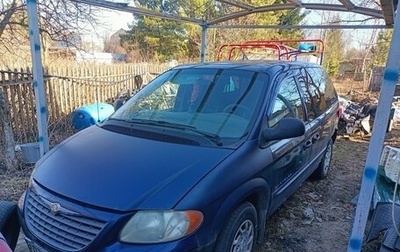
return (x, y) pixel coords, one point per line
(109, 84)
(100, 84)
(30, 100)
(74, 96)
(13, 108)
(59, 92)
(50, 97)
(79, 88)
(90, 91)
(24, 110)
(97, 85)
(64, 91)
(56, 94)
(89, 86)
(70, 98)
(123, 76)
(32, 104)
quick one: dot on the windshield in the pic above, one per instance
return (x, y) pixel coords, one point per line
(216, 102)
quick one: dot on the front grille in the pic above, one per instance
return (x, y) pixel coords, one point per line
(63, 231)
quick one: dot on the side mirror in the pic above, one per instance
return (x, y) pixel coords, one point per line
(286, 128)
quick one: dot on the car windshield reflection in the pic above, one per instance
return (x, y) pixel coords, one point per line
(216, 102)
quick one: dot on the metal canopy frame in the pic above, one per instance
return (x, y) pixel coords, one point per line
(385, 12)
(242, 9)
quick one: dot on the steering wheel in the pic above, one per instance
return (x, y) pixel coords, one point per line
(239, 110)
(288, 105)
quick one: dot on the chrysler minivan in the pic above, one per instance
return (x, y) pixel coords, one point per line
(195, 161)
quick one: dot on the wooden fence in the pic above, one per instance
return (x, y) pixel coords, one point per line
(67, 88)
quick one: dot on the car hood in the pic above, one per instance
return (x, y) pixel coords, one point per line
(121, 172)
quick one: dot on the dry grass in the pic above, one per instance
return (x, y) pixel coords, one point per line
(344, 87)
(13, 182)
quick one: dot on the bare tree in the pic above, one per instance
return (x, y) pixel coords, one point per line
(60, 22)
(7, 131)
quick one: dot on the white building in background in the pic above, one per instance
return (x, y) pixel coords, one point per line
(99, 57)
(308, 58)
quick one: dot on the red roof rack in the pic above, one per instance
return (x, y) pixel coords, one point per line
(274, 49)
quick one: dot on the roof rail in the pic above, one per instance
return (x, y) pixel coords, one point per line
(275, 49)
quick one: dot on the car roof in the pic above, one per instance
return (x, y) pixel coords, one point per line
(249, 65)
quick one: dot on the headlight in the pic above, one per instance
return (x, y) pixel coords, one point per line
(160, 226)
(31, 177)
(21, 201)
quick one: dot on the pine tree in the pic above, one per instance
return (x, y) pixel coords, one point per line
(158, 39)
(334, 50)
(381, 49)
(163, 40)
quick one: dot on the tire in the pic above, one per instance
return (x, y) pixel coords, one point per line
(324, 166)
(9, 223)
(239, 233)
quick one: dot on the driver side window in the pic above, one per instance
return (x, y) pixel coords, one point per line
(287, 103)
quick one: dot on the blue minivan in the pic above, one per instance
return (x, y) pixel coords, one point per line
(195, 161)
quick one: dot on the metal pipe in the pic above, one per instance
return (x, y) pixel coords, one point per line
(203, 42)
(38, 80)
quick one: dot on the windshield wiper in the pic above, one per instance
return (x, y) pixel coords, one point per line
(119, 119)
(213, 137)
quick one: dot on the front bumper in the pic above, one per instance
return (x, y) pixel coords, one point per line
(51, 223)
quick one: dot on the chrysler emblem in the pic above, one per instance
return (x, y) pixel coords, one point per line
(55, 208)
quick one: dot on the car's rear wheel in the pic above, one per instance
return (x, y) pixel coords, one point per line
(9, 223)
(325, 165)
(239, 233)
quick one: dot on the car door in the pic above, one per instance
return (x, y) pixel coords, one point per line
(290, 156)
(313, 85)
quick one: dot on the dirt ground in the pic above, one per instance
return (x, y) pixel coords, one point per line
(330, 200)
(290, 229)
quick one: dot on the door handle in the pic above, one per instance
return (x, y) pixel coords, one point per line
(315, 138)
(307, 144)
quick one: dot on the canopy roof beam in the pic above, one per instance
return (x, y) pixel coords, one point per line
(140, 11)
(386, 12)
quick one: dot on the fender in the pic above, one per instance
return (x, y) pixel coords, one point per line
(255, 191)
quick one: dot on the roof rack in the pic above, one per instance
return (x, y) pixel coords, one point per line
(310, 50)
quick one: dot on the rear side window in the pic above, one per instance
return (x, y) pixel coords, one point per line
(330, 92)
(318, 90)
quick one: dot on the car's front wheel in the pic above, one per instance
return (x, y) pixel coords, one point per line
(239, 233)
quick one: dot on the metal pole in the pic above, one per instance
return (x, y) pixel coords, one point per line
(38, 80)
(377, 139)
(203, 42)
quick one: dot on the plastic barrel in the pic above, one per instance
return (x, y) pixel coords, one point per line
(88, 115)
